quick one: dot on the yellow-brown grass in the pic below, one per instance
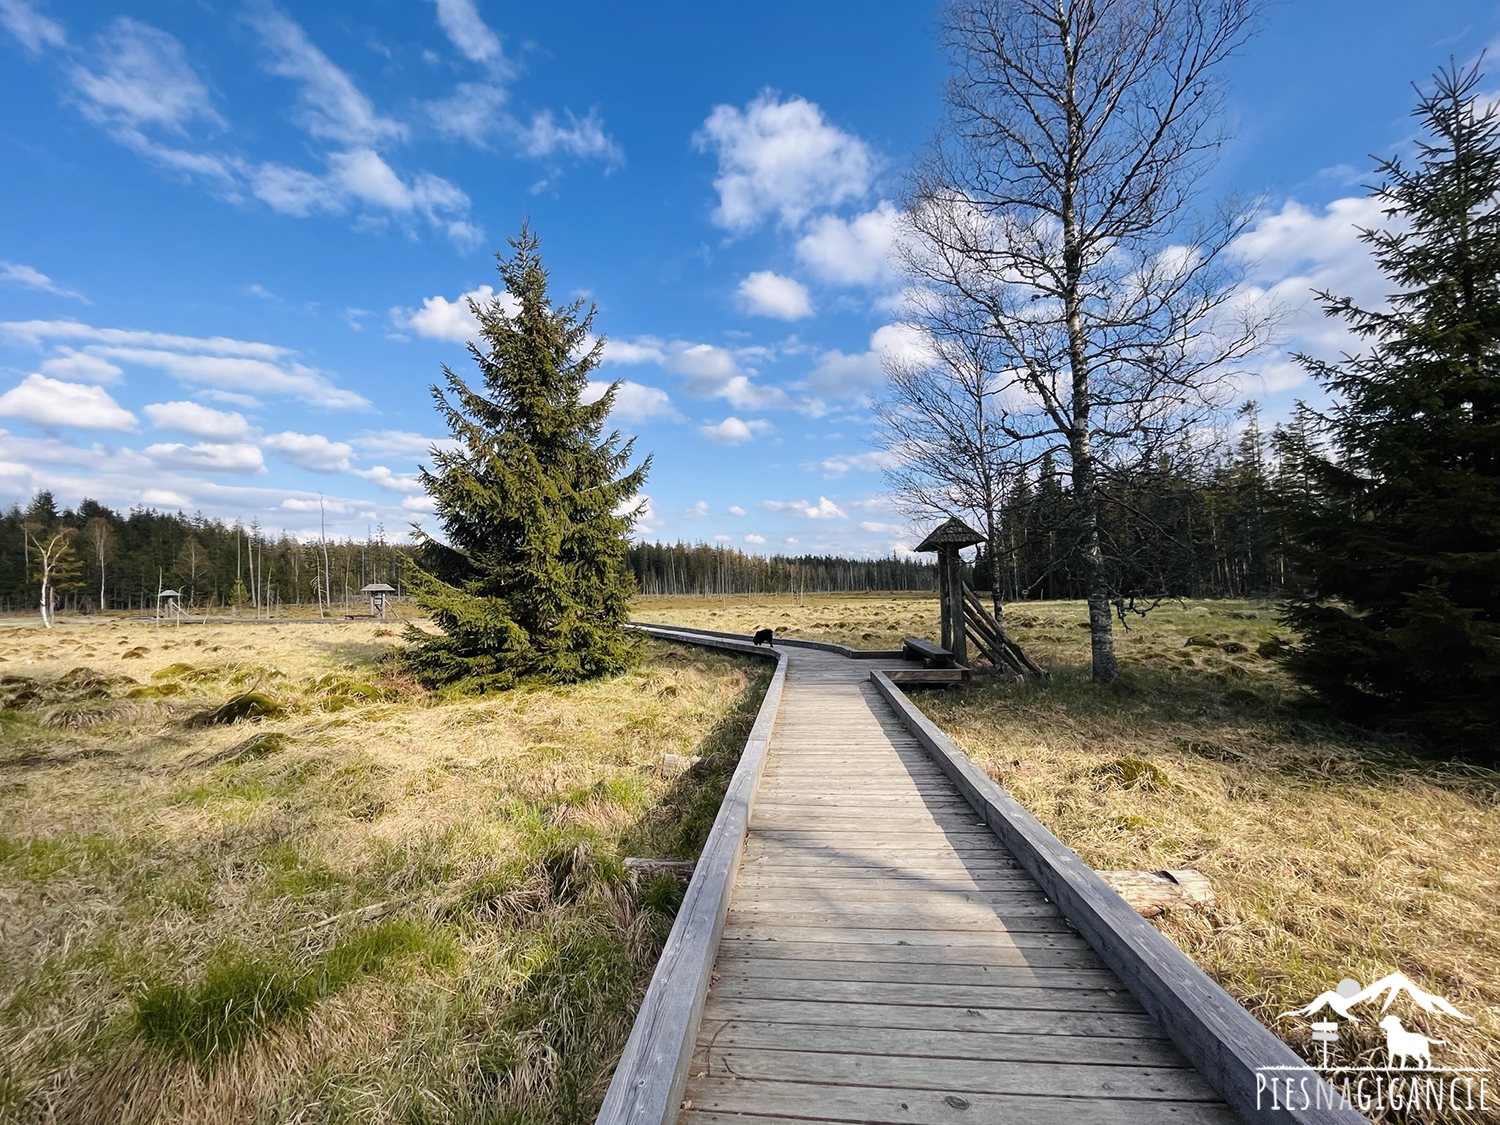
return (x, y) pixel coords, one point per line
(1334, 852)
(372, 906)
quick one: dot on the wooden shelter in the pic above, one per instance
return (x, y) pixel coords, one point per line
(961, 608)
(377, 592)
(169, 606)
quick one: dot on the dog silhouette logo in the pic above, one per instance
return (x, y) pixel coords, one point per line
(1405, 1050)
(1408, 1046)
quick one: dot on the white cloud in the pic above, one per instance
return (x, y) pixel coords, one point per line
(400, 443)
(635, 402)
(35, 332)
(733, 431)
(853, 251)
(14, 273)
(52, 402)
(80, 366)
(643, 349)
(736, 510)
(840, 375)
(198, 421)
(143, 81)
(474, 112)
(209, 457)
(331, 107)
(764, 293)
(581, 137)
(33, 29)
(312, 451)
(755, 539)
(233, 372)
(834, 467)
(166, 498)
(382, 477)
(781, 158)
(723, 538)
(442, 319)
(422, 503)
(709, 371)
(466, 30)
(697, 511)
(824, 509)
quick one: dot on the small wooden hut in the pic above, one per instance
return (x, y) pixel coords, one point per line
(377, 592)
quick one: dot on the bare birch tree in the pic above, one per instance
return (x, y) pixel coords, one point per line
(1057, 206)
(101, 539)
(47, 550)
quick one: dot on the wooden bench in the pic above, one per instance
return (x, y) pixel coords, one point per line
(931, 655)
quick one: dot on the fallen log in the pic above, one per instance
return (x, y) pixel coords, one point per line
(1153, 893)
(637, 868)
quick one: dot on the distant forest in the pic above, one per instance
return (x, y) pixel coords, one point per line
(1214, 531)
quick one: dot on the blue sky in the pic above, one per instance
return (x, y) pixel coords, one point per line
(235, 236)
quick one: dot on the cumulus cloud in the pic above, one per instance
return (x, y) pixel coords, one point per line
(838, 375)
(582, 137)
(209, 457)
(52, 402)
(853, 251)
(736, 510)
(643, 349)
(755, 540)
(697, 511)
(876, 461)
(733, 431)
(198, 421)
(382, 477)
(232, 373)
(781, 158)
(709, 371)
(824, 509)
(312, 451)
(764, 293)
(635, 402)
(80, 367)
(442, 319)
(14, 273)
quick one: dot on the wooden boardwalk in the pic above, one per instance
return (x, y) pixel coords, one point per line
(885, 959)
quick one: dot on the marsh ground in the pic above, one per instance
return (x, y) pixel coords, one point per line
(366, 904)
(1335, 852)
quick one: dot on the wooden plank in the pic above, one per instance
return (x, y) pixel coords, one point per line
(780, 930)
(1050, 1047)
(1073, 954)
(977, 1076)
(877, 1106)
(927, 995)
(916, 1017)
(1229, 1046)
(972, 976)
(1037, 920)
(883, 900)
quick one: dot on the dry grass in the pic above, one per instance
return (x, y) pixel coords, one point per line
(363, 905)
(1334, 852)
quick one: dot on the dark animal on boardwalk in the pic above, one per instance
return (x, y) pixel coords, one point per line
(763, 637)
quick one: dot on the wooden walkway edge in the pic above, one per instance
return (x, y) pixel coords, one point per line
(877, 933)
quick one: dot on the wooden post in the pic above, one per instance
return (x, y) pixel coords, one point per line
(954, 609)
(945, 603)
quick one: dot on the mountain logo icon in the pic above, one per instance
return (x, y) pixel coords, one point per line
(1408, 1046)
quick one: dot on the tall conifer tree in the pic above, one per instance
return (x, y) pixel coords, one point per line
(1400, 527)
(532, 581)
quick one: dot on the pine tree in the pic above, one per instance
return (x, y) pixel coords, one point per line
(532, 581)
(1399, 531)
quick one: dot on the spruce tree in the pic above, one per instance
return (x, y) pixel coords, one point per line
(1398, 529)
(532, 582)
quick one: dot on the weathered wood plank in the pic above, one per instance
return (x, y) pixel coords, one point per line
(969, 976)
(879, 1106)
(987, 1076)
(1050, 1047)
(1069, 954)
(927, 995)
(872, 934)
(917, 1017)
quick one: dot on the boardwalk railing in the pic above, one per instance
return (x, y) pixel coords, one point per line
(1233, 1050)
(648, 1082)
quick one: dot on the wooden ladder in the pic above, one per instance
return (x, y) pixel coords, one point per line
(994, 642)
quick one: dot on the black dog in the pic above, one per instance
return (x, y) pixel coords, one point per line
(763, 637)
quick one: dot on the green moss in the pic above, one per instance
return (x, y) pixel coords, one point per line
(172, 672)
(249, 705)
(1130, 773)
